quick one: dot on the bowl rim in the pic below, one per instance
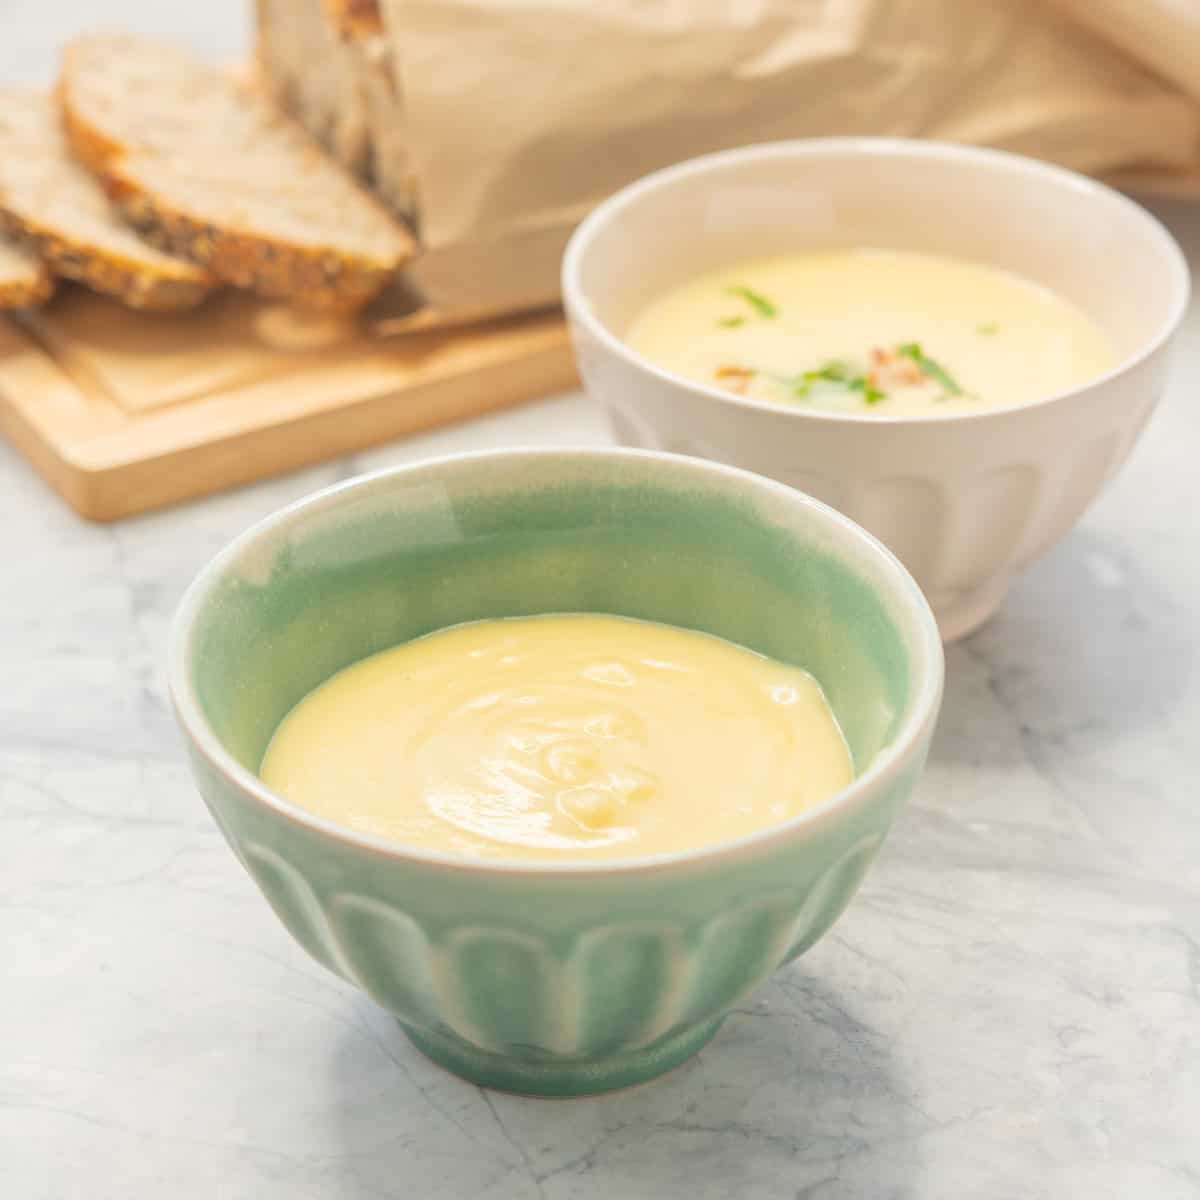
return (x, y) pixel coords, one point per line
(927, 667)
(579, 308)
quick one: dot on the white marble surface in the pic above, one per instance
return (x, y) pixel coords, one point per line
(1009, 1011)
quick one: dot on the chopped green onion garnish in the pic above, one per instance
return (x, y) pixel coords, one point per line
(756, 300)
(930, 367)
(731, 322)
(836, 372)
(870, 395)
(987, 328)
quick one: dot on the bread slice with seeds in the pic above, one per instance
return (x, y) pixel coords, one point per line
(24, 278)
(53, 207)
(212, 171)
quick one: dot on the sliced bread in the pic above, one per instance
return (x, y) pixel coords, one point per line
(55, 208)
(24, 278)
(212, 171)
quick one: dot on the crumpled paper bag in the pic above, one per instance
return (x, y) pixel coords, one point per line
(523, 114)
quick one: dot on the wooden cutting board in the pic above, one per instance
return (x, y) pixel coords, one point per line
(122, 411)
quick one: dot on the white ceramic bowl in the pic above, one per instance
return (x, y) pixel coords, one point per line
(964, 499)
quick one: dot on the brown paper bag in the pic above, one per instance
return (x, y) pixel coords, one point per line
(1163, 35)
(522, 114)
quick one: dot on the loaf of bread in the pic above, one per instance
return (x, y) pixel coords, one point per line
(329, 64)
(355, 18)
(212, 171)
(311, 74)
(52, 206)
(391, 164)
(24, 279)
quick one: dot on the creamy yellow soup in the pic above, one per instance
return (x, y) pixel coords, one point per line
(561, 737)
(880, 332)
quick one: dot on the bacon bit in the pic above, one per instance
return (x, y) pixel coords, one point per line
(888, 369)
(879, 372)
(880, 359)
(736, 379)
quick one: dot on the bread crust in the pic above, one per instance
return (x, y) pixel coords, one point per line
(134, 283)
(92, 148)
(354, 18)
(25, 281)
(321, 279)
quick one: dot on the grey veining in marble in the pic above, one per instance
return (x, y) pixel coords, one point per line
(1009, 1011)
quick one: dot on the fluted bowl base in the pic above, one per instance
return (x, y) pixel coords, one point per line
(962, 613)
(566, 1077)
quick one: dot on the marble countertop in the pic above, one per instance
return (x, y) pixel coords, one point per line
(1010, 1010)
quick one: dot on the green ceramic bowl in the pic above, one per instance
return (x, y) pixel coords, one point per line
(554, 979)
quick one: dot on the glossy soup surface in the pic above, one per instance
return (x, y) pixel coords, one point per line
(561, 737)
(877, 332)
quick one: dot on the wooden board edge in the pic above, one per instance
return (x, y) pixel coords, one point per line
(63, 476)
(107, 493)
(28, 426)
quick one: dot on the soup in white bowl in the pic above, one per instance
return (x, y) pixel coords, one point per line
(873, 331)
